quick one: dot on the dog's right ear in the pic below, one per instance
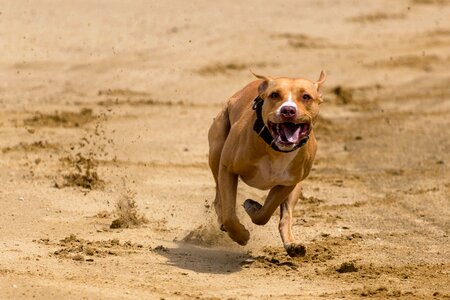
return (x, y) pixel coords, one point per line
(321, 80)
(263, 86)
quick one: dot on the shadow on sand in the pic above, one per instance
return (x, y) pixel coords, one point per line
(203, 260)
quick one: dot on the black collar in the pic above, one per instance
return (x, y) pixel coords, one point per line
(260, 128)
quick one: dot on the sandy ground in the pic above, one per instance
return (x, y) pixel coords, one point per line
(109, 102)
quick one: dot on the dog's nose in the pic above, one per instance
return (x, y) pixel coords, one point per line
(288, 111)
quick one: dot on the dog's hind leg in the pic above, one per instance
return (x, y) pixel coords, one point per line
(285, 225)
(216, 136)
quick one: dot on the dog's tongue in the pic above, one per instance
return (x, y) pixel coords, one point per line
(290, 132)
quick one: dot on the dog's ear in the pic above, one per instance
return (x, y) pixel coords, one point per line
(319, 83)
(263, 86)
(321, 80)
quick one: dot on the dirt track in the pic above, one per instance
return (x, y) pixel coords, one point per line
(112, 101)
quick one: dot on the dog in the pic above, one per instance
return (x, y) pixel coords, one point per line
(264, 135)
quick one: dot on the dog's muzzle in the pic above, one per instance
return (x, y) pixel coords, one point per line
(282, 137)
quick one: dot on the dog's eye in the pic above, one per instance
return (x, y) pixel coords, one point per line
(274, 95)
(306, 97)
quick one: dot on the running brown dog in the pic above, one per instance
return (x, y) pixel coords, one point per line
(265, 136)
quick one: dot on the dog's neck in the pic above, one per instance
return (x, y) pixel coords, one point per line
(261, 129)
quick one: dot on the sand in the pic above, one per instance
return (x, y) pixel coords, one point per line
(110, 100)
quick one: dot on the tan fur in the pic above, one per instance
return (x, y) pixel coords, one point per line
(237, 151)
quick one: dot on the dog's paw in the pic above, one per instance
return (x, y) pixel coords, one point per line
(241, 237)
(251, 206)
(238, 233)
(295, 250)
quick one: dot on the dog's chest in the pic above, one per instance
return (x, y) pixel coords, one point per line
(267, 173)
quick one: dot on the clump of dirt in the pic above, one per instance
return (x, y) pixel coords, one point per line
(127, 212)
(80, 249)
(32, 147)
(161, 248)
(347, 267)
(61, 119)
(83, 173)
(205, 235)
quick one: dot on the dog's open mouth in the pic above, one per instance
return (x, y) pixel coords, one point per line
(288, 133)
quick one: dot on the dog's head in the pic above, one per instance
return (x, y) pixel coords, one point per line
(290, 108)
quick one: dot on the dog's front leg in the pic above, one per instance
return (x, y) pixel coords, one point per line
(260, 214)
(285, 226)
(227, 184)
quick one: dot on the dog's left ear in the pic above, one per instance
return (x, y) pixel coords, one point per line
(263, 86)
(319, 83)
(321, 80)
